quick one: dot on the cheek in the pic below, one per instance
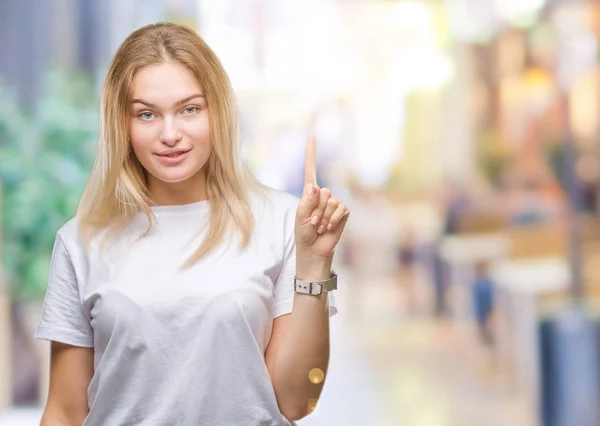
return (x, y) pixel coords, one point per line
(199, 130)
(199, 135)
(142, 138)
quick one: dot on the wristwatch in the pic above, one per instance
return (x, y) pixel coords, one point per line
(316, 288)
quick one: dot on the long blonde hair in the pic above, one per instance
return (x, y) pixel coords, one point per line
(117, 190)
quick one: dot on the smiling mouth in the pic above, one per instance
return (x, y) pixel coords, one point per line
(174, 154)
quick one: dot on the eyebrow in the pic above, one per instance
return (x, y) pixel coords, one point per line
(182, 101)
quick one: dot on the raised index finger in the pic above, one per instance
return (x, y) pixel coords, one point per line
(310, 162)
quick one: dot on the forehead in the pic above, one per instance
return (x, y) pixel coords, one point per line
(164, 83)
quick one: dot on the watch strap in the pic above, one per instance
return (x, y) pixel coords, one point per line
(316, 288)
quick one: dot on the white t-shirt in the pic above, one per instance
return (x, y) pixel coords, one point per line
(176, 348)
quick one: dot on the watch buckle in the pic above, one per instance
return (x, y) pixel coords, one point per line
(307, 287)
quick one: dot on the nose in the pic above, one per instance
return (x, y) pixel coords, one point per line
(170, 134)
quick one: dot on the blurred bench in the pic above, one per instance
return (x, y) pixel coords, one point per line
(533, 279)
(521, 285)
(474, 223)
(538, 241)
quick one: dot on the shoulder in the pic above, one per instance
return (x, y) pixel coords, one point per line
(282, 201)
(70, 234)
(274, 203)
(275, 211)
(68, 250)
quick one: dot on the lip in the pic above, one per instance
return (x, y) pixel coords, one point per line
(173, 161)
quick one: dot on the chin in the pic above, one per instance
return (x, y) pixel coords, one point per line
(184, 172)
(171, 175)
(174, 177)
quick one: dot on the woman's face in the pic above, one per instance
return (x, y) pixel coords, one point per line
(169, 127)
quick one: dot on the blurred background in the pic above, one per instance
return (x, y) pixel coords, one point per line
(464, 135)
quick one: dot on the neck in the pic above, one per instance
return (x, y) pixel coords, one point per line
(179, 193)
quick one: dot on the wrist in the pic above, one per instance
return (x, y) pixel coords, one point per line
(313, 268)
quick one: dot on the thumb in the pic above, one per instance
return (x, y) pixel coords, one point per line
(310, 200)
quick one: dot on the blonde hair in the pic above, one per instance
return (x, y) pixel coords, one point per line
(117, 190)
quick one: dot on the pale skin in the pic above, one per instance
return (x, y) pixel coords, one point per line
(172, 115)
(300, 340)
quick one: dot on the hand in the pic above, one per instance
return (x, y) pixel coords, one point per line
(320, 218)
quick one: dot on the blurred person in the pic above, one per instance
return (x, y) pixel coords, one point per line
(184, 292)
(482, 296)
(407, 251)
(440, 274)
(454, 203)
(407, 259)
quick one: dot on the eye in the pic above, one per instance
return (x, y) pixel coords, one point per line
(146, 115)
(191, 110)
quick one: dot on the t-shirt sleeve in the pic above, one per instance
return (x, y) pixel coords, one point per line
(62, 318)
(284, 286)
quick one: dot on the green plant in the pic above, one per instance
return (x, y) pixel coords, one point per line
(45, 157)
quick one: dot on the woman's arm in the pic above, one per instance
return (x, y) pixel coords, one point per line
(298, 353)
(299, 344)
(71, 370)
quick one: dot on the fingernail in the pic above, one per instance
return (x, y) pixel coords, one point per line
(314, 220)
(321, 229)
(329, 226)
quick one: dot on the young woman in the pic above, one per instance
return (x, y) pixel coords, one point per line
(184, 292)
